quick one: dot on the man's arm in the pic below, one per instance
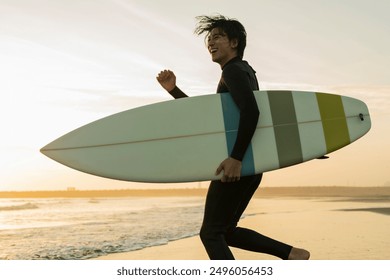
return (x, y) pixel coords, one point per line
(177, 93)
(167, 80)
(241, 91)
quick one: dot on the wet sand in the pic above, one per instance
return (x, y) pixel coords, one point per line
(332, 225)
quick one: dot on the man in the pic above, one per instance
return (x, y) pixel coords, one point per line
(227, 198)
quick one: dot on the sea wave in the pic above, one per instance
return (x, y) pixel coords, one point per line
(81, 229)
(25, 206)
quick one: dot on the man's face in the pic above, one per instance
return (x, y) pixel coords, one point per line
(220, 47)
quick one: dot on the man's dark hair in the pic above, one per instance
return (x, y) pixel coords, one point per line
(231, 27)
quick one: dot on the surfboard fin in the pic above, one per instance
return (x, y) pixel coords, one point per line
(323, 157)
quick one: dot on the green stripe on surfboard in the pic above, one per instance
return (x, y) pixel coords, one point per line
(333, 121)
(286, 128)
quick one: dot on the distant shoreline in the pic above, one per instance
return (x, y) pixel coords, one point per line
(262, 192)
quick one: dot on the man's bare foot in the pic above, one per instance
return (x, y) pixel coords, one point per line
(299, 254)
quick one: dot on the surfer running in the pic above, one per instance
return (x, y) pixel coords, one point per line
(227, 198)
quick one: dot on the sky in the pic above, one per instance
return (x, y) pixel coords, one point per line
(66, 63)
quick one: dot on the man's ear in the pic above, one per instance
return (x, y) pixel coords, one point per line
(234, 43)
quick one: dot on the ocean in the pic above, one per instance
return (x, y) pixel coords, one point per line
(84, 228)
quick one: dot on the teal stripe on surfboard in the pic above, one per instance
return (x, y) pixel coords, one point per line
(286, 129)
(231, 116)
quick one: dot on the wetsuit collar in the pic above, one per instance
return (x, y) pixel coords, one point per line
(234, 59)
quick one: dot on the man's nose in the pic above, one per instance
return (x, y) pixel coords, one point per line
(210, 43)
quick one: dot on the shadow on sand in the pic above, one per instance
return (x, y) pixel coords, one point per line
(380, 210)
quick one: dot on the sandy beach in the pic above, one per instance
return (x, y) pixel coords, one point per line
(347, 224)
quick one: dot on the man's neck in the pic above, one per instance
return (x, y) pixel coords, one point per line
(234, 58)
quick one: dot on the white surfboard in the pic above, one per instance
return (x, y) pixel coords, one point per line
(185, 140)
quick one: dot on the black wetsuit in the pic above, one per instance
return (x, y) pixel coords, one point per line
(226, 202)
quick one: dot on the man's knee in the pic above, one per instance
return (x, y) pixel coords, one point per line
(205, 234)
(209, 234)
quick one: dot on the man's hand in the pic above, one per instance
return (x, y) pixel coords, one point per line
(231, 170)
(167, 79)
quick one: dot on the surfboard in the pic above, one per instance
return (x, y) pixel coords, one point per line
(185, 140)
